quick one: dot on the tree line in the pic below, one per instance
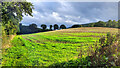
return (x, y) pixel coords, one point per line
(44, 27)
(33, 28)
(109, 23)
(55, 26)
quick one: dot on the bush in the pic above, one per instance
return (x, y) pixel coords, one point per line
(108, 54)
(108, 40)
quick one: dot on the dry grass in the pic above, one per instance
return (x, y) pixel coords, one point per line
(90, 29)
(6, 41)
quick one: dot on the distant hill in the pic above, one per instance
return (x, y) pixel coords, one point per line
(110, 23)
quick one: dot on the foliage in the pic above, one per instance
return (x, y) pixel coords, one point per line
(100, 24)
(119, 24)
(12, 13)
(114, 24)
(110, 23)
(62, 26)
(91, 24)
(56, 26)
(107, 55)
(107, 41)
(32, 26)
(43, 26)
(50, 27)
(76, 26)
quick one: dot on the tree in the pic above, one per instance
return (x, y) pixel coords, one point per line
(100, 24)
(62, 26)
(33, 26)
(56, 27)
(114, 24)
(43, 26)
(76, 26)
(109, 23)
(91, 24)
(119, 24)
(50, 27)
(12, 14)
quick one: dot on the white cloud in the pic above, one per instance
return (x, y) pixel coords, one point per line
(56, 16)
(71, 22)
(73, 0)
(85, 20)
(96, 19)
(51, 13)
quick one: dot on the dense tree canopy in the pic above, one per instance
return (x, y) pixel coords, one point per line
(109, 23)
(114, 24)
(50, 27)
(56, 26)
(76, 26)
(12, 13)
(43, 26)
(62, 26)
(33, 26)
(100, 24)
(91, 25)
(119, 24)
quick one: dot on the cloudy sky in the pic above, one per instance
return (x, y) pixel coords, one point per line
(70, 13)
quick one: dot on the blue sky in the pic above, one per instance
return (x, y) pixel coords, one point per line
(70, 13)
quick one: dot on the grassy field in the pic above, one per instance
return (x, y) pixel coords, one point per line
(48, 48)
(0, 43)
(0, 34)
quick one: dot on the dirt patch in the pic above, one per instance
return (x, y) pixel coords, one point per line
(34, 40)
(7, 44)
(29, 40)
(23, 37)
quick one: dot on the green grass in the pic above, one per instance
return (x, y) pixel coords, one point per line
(48, 48)
(86, 34)
(0, 42)
(0, 34)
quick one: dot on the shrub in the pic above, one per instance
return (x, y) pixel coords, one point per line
(108, 54)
